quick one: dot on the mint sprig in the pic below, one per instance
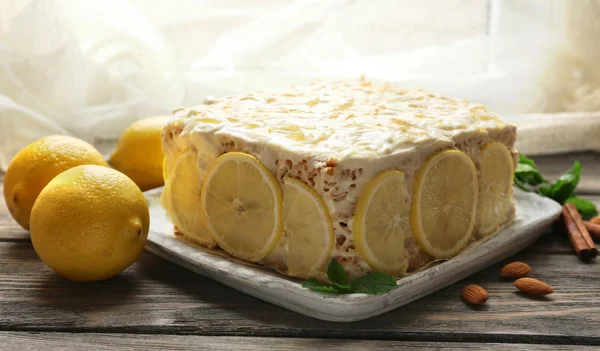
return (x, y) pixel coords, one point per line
(529, 178)
(373, 283)
(316, 285)
(336, 273)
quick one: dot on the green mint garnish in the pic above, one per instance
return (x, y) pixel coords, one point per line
(529, 178)
(316, 285)
(336, 273)
(373, 283)
(565, 186)
(343, 289)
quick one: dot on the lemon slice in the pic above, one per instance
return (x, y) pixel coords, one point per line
(165, 171)
(495, 186)
(242, 202)
(442, 214)
(378, 224)
(182, 192)
(308, 228)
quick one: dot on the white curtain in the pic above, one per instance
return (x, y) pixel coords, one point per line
(89, 68)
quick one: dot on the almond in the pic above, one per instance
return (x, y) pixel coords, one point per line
(515, 270)
(474, 294)
(595, 220)
(533, 286)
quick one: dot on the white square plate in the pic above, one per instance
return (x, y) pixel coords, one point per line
(534, 215)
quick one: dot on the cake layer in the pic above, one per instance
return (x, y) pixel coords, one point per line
(336, 137)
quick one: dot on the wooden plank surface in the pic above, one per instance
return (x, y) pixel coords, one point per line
(25, 341)
(157, 297)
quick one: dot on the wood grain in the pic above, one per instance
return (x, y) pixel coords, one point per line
(26, 341)
(154, 296)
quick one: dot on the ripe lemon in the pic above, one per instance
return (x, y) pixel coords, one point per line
(444, 203)
(308, 228)
(139, 152)
(242, 202)
(36, 164)
(495, 186)
(182, 196)
(378, 226)
(89, 223)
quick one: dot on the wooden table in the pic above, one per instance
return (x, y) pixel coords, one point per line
(157, 305)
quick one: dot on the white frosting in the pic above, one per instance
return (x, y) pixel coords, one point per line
(341, 120)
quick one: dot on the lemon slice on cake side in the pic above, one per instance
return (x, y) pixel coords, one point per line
(242, 202)
(444, 203)
(380, 221)
(495, 186)
(308, 227)
(182, 195)
(165, 169)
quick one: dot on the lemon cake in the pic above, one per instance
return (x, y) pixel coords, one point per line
(377, 177)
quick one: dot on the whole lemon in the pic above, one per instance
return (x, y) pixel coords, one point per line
(36, 164)
(89, 223)
(139, 152)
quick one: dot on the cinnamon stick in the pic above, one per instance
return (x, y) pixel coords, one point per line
(580, 237)
(593, 229)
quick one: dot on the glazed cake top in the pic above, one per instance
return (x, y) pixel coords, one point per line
(350, 119)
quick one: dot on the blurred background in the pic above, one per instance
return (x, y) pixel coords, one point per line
(90, 68)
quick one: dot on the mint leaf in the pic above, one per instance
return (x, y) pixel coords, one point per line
(311, 282)
(561, 190)
(343, 289)
(336, 273)
(585, 208)
(523, 168)
(337, 276)
(529, 178)
(526, 160)
(573, 174)
(529, 174)
(325, 289)
(316, 285)
(565, 186)
(522, 185)
(545, 191)
(374, 283)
